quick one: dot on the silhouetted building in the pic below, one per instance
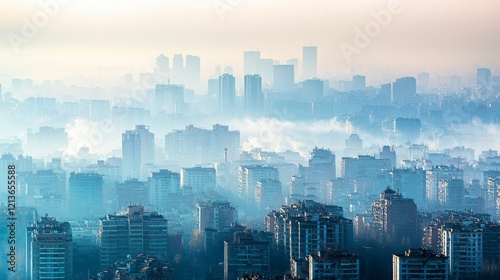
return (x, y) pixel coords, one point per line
(434, 176)
(358, 83)
(137, 150)
(251, 61)
(484, 78)
(407, 130)
(254, 98)
(169, 100)
(395, 219)
(388, 153)
(310, 62)
(227, 93)
(353, 143)
(283, 79)
(85, 195)
(131, 192)
(404, 90)
(192, 71)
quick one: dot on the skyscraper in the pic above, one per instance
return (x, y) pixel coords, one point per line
(404, 90)
(192, 71)
(178, 69)
(251, 60)
(283, 78)
(162, 69)
(310, 62)
(86, 195)
(227, 93)
(137, 150)
(483, 77)
(254, 98)
(51, 249)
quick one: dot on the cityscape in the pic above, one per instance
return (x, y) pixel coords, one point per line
(250, 161)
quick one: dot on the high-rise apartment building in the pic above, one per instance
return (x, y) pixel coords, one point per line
(310, 62)
(134, 232)
(51, 249)
(137, 150)
(85, 192)
(420, 264)
(254, 98)
(198, 179)
(227, 93)
(215, 215)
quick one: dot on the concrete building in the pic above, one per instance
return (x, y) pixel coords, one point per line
(248, 176)
(137, 150)
(395, 219)
(268, 194)
(227, 93)
(464, 247)
(254, 97)
(162, 185)
(198, 179)
(244, 254)
(420, 264)
(310, 62)
(215, 215)
(134, 232)
(333, 264)
(433, 177)
(51, 249)
(283, 77)
(85, 191)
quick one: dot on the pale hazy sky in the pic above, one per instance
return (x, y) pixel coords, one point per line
(441, 36)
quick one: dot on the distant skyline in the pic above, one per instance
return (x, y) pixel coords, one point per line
(108, 39)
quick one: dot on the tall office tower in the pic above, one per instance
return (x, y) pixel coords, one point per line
(283, 78)
(216, 214)
(162, 69)
(407, 130)
(388, 153)
(137, 150)
(451, 193)
(227, 93)
(483, 77)
(333, 264)
(251, 60)
(245, 254)
(268, 194)
(51, 249)
(433, 177)
(310, 62)
(198, 179)
(162, 185)
(254, 98)
(24, 217)
(213, 88)
(411, 184)
(266, 71)
(395, 219)
(423, 79)
(404, 90)
(193, 71)
(312, 90)
(464, 247)
(358, 83)
(85, 191)
(308, 226)
(419, 264)
(248, 176)
(169, 99)
(134, 232)
(295, 63)
(177, 75)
